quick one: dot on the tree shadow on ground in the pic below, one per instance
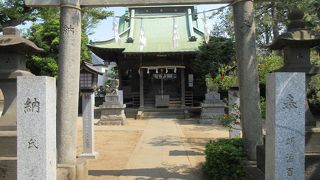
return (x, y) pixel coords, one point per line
(184, 153)
(177, 141)
(200, 127)
(167, 172)
(167, 141)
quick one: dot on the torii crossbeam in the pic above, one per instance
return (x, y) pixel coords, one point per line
(113, 3)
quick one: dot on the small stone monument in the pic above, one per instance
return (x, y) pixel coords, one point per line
(234, 110)
(36, 128)
(112, 110)
(212, 109)
(13, 50)
(285, 132)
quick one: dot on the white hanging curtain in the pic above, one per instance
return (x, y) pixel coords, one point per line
(176, 36)
(142, 40)
(206, 28)
(116, 30)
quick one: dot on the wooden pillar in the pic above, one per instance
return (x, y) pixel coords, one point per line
(141, 89)
(183, 88)
(248, 76)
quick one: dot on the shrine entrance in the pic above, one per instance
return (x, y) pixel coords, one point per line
(162, 87)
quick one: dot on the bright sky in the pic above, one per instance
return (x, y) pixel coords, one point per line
(103, 31)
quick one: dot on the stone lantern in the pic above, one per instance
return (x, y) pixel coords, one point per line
(88, 85)
(13, 50)
(296, 44)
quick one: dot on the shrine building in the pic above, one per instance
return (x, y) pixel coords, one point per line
(156, 73)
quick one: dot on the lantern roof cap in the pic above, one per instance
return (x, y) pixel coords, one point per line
(12, 42)
(297, 35)
(89, 67)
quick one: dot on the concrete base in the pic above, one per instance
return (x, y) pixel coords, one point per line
(112, 115)
(89, 155)
(312, 165)
(208, 121)
(112, 121)
(210, 113)
(253, 172)
(78, 171)
(8, 168)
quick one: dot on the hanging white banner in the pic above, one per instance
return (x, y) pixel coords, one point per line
(176, 36)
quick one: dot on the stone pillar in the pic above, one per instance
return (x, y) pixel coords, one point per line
(183, 89)
(285, 131)
(88, 125)
(248, 76)
(68, 82)
(36, 128)
(234, 110)
(141, 89)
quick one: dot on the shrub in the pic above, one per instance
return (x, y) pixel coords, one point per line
(225, 159)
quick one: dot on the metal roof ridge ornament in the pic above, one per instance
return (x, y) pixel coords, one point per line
(192, 37)
(116, 30)
(132, 15)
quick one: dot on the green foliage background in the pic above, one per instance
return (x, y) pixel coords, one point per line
(217, 53)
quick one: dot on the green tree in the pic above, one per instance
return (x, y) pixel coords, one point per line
(45, 33)
(211, 58)
(14, 12)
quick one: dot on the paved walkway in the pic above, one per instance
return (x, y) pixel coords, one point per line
(161, 153)
(155, 149)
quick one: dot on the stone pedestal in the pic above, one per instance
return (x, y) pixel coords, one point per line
(235, 131)
(285, 133)
(212, 109)
(36, 128)
(88, 125)
(112, 111)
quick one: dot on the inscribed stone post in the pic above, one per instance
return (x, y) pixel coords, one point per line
(88, 124)
(36, 128)
(285, 139)
(234, 110)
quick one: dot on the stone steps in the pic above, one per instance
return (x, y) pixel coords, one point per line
(9, 141)
(158, 113)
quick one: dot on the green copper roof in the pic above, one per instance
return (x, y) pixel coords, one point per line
(158, 32)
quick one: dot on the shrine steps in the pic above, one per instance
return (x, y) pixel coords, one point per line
(163, 113)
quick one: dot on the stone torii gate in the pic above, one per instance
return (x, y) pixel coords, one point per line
(69, 65)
